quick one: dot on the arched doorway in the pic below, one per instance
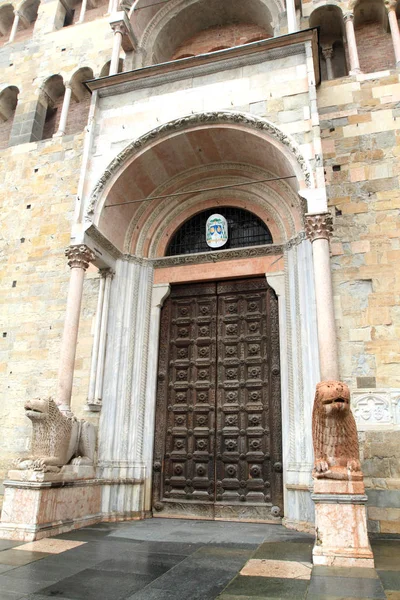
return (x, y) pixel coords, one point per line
(154, 187)
(218, 433)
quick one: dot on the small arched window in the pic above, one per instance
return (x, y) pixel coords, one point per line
(244, 229)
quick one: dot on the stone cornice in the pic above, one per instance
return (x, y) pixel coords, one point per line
(204, 64)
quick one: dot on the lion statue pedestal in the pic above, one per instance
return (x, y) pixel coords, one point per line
(339, 493)
(54, 489)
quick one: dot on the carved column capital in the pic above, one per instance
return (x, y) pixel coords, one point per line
(79, 256)
(390, 5)
(327, 52)
(106, 272)
(119, 27)
(319, 226)
(348, 16)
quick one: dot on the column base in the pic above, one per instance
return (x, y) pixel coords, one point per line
(38, 505)
(341, 525)
(355, 72)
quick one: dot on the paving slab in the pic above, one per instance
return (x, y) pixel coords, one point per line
(171, 559)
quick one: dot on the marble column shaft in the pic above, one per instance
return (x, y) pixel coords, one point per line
(78, 260)
(394, 30)
(352, 44)
(119, 30)
(319, 229)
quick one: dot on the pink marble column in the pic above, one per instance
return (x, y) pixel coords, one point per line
(318, 229)
(352, 44)
(394, 30)
(327, 53)
(79, 258)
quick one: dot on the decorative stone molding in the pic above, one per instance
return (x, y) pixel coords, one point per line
(319, 226)
(79, 256)
(376, 408)
(183, 123)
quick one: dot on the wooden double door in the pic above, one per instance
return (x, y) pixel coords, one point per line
(218, 435)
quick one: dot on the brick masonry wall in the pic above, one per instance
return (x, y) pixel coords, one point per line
(375, 48)
(221, 37)
(78, 115)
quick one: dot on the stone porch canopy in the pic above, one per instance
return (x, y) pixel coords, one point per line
(167, 175)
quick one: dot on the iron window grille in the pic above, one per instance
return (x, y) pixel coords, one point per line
(244, 229)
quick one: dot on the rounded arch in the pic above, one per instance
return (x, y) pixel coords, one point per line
(166, 29)
(276, 208)
(105, 70)
(329, 19)
(51, 97)
(6, 19)
(8, 105)
(245, 228)
(29, 9)
(179, 164)
(8, 101)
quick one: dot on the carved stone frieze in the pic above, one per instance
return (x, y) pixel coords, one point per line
(319, 226)
(189, 121)
(210, 257)
(79, 256)
(376, 408)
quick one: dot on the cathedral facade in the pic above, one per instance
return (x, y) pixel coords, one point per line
(200, 222)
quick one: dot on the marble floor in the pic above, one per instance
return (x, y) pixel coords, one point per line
(168, 559)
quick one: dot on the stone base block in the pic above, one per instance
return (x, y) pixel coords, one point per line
(341, 531)
(38, 505)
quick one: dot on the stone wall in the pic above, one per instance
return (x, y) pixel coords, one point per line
(361, 144)
(38, 183)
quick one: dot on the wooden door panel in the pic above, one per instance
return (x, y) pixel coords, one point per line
(218, 424)
(185, 431)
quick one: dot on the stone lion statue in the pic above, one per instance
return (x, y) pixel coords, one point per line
(335, 440)
(57, 439)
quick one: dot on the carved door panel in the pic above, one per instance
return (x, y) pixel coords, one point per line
(185, 431)
(218, 422)
(248, 422)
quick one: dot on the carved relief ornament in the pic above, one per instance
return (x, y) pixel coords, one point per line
(79, 256)
(319, 226)
(209, 118)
